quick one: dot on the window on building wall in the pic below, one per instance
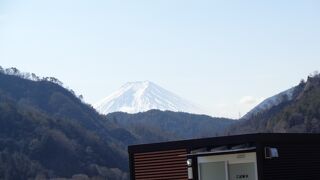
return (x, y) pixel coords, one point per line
(213, 171)
(240, 166)
(242, 171)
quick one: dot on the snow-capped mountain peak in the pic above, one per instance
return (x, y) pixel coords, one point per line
(268, 103)
(142, 96)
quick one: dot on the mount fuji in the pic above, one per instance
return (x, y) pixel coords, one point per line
(141, 96)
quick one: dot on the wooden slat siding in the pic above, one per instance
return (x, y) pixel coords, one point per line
(296, 161)
(161, 165)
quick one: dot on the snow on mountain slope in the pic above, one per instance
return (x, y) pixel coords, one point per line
(270, 102)
(142, 96)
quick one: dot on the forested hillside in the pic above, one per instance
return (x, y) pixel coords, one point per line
(301, 114)
(46, 131)
(155, 125)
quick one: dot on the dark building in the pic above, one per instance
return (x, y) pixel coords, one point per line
(242, 157)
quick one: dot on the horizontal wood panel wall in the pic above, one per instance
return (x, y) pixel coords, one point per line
(161, 165)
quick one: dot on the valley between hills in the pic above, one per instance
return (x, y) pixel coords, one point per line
(48, 132)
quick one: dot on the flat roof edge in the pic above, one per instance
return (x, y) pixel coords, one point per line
(224, 140)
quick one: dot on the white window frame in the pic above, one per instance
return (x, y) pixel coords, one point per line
(250, 157)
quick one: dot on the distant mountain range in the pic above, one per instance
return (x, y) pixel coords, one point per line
(141, 96)
(46, 131)
(156, 125)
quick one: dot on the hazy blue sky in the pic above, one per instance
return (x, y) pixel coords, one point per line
(223, 55)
